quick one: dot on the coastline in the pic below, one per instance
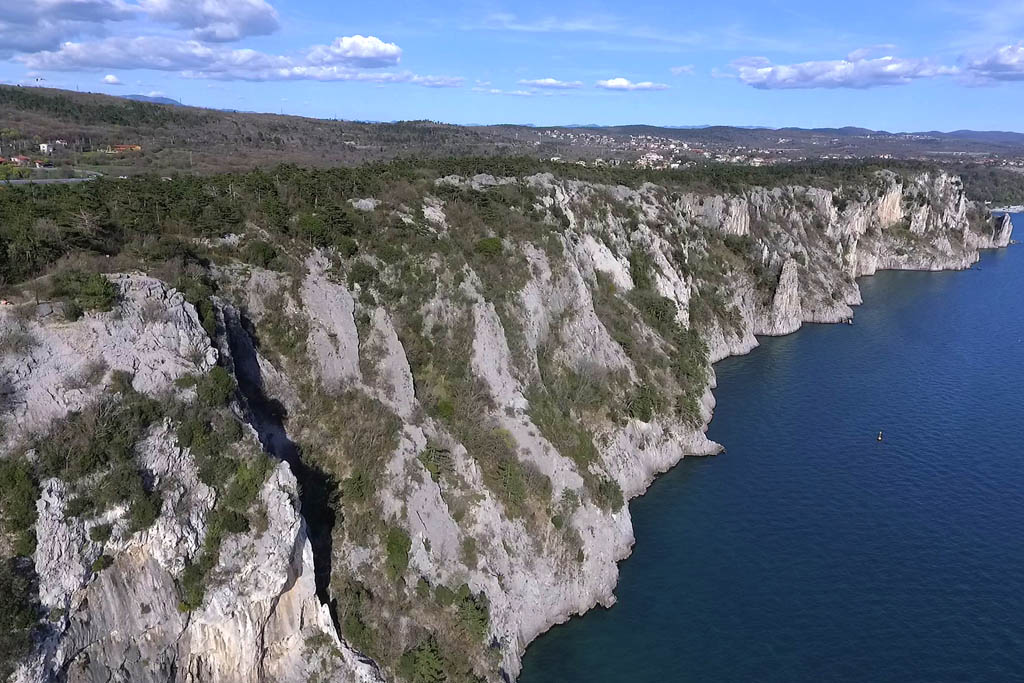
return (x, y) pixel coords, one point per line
(727, 350)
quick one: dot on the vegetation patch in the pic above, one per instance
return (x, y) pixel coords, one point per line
(211, 433)
(449, 391)
(84, 292)
(93, 452)
(19, 612)
(558, 406)
(351, 436)
(19, 490)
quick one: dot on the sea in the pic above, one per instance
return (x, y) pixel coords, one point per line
(812, 551)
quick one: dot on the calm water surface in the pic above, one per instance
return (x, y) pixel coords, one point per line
(810, 552)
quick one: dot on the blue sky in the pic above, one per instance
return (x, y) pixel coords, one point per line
(911, 65)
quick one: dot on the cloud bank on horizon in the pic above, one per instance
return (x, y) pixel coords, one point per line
(655, 60)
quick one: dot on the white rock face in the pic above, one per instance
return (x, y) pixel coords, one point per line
(333, 339)
(787, 313)
(261, 619)
(154, 334)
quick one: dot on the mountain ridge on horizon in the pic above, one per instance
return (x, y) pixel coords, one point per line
(990, 135)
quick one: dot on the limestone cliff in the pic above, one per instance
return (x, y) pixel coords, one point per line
(465, 430)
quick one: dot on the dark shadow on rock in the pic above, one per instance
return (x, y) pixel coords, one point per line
(267, 416)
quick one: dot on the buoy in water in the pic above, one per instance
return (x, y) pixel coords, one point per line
(879, 436)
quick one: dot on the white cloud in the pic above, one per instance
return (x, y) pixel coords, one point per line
(517, 93)
(31, 25)
(1003, 64)
(684, 70)
(437, 81)
(325, 74)
(856, 71)
(216, 20)
(499, 91)
(147, 52)
(626, 84)
(364, 51)
(510, 22)
(343, 60)
(111, 79)
(552, 83)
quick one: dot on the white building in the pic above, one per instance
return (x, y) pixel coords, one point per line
(45, 148)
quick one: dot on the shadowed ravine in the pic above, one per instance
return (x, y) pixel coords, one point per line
(267, 417)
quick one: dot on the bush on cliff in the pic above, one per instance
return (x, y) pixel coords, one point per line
(84, 291)
(19, 613)
(18, 494)
(397, 544)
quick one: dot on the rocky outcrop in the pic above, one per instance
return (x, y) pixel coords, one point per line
(261, 618)
(155, 337)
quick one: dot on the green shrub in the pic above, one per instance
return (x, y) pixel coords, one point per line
(280, 331)
(19, 613)
(489, 247)
(473, 612)
(312, 227)
(73, 311)
(88, 291)
(643, 403)
(100, 533)
(469, 553)
(609, 494)
(658, 311)
(553, 405)
(259, 253)
(740, 245)
(102, 562)
(121, 383)
(346, 246)
(436, 460)
(102, 436)
(18, 494)
(216, 387)
(250, 475)
(641, 269)
(197, 291)
(423, 664)
(144, 511)
(358, 487)
(358, 633)
(444, 596)
(363, 274)
(209, 447)
(397, 544)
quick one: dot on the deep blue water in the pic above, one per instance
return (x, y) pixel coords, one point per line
(810, 552)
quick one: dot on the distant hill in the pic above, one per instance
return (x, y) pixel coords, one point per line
(175, 137)
(178, 138)
(153, 100)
